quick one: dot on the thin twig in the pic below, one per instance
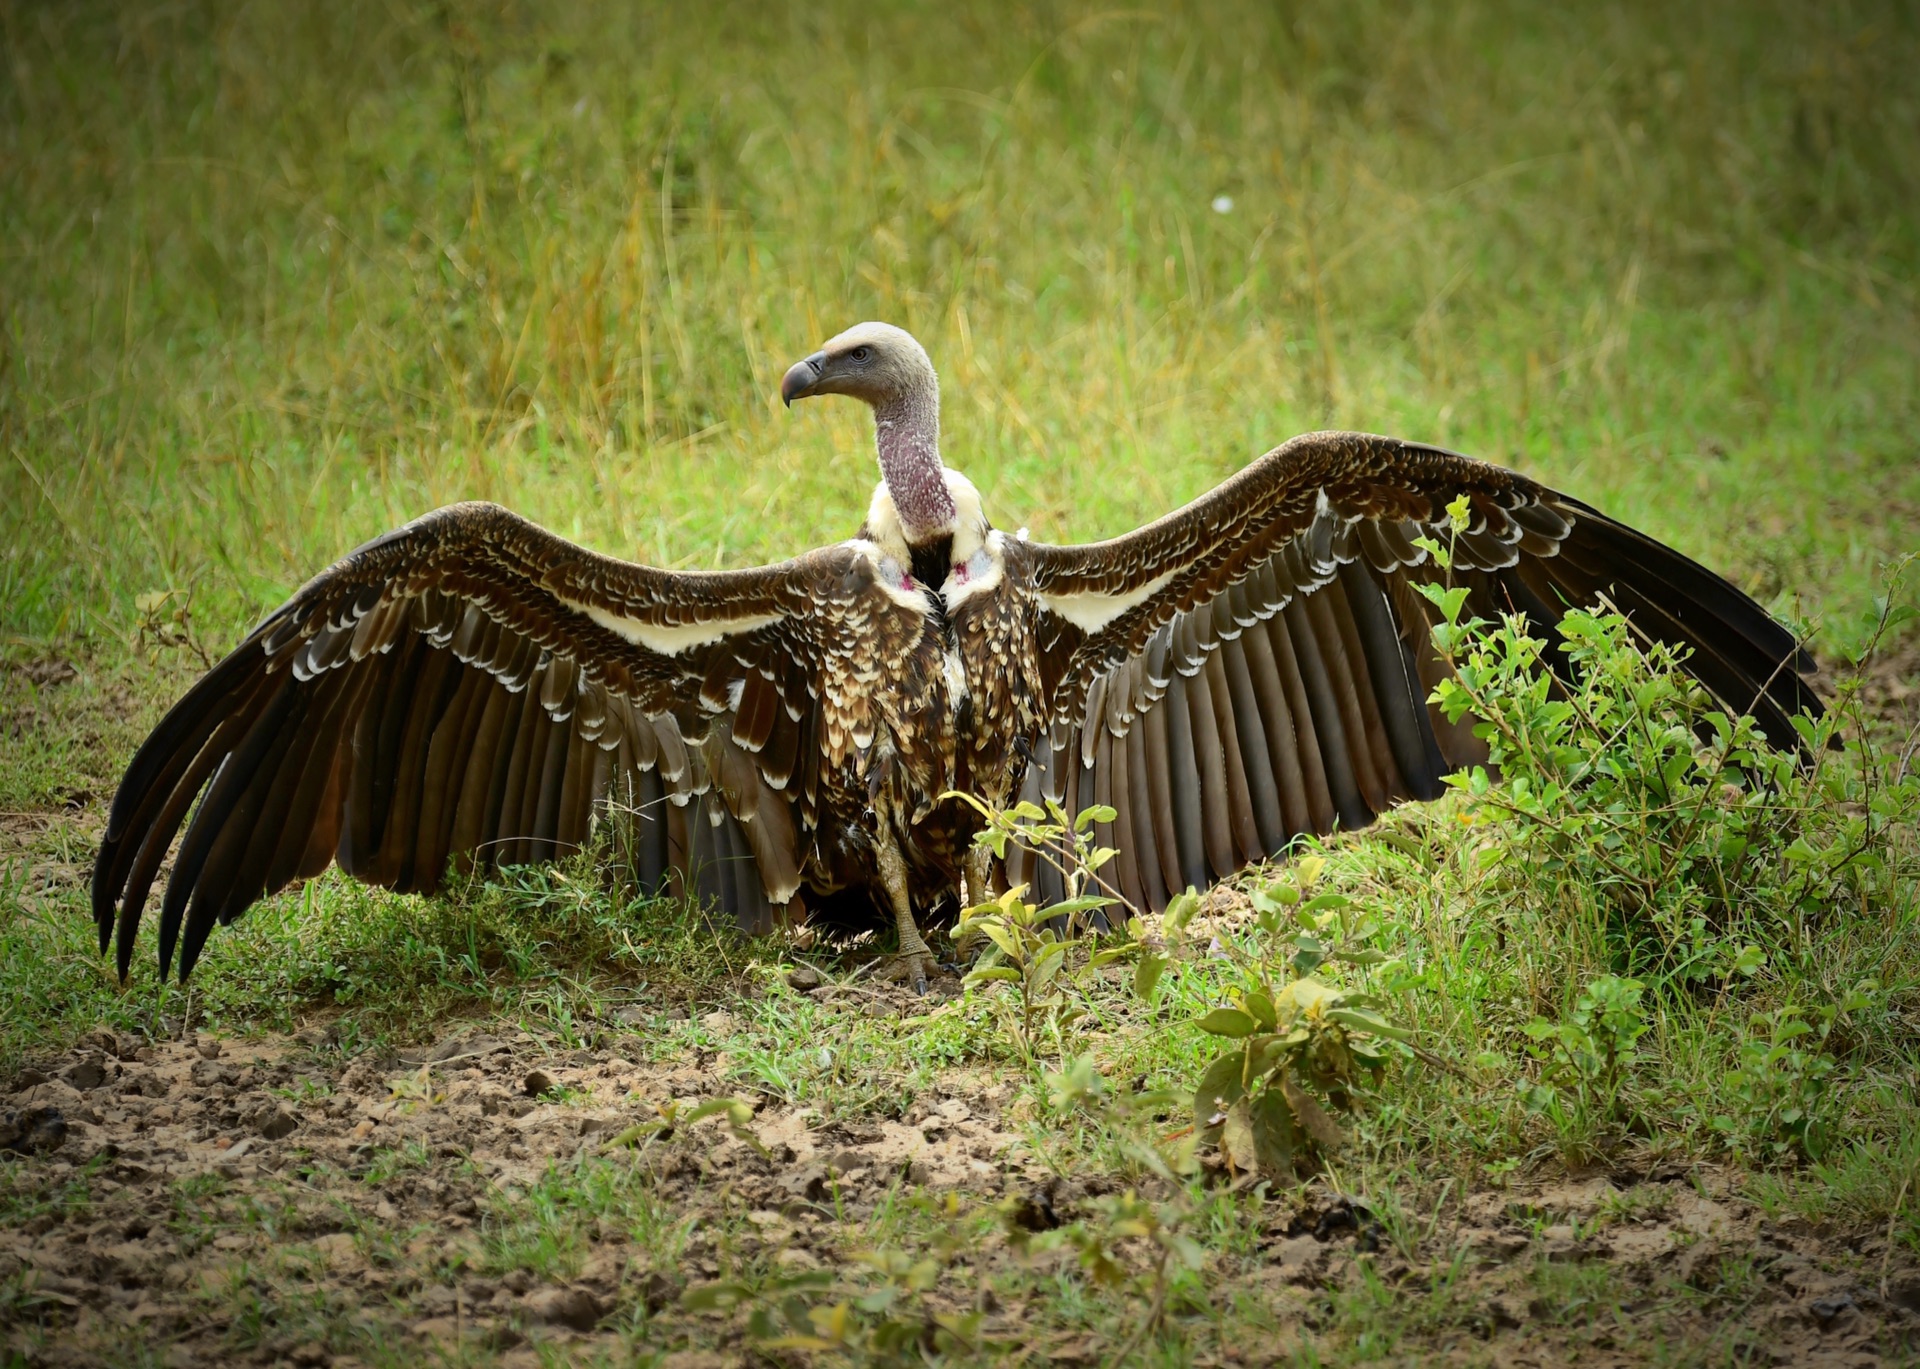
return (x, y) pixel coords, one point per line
(1892, 1217)
(1154, 1310)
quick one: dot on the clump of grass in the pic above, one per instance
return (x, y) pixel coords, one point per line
(548, 944)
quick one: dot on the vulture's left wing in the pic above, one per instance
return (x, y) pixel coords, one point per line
(1256, 665)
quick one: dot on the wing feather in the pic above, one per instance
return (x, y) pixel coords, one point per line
(1246, 844)
(1338, 755)
(1330, 620)
(1137, 822)
(1256, 757)
(1188, 794)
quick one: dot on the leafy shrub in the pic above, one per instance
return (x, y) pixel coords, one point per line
(1585, 1060)
(1030, 945)
(1779, 1097)
(1296, 1039)
(1300, 1047)
(1624, 787)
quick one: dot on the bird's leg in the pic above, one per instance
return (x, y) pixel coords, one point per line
(980, 881)
(893, 874)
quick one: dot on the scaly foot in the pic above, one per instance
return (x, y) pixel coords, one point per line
(913, 964)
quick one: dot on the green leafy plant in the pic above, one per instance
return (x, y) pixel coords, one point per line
(672, 1116)
(1782, 1105)
(1068, 845)
(1585, 1060)
(1300, 1046)
(1096, 1240)
(1029, 951)
(878, 1314)
(1623, 787)
(1030, 945)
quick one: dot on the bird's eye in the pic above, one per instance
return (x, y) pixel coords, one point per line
(861, 353)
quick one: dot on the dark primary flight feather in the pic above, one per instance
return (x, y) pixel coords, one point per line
(471, 690)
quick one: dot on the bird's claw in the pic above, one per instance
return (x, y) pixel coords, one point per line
(912, 967)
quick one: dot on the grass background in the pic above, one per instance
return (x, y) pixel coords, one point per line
(277, 277)
(274, 278)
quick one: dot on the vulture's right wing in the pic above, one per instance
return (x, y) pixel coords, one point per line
(1256, 665)
(474, 686)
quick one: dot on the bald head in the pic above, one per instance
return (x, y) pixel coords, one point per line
(875, 362)
(884, 366)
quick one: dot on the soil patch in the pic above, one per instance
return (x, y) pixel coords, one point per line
(267, 1201)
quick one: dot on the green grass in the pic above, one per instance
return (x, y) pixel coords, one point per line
(274, 279)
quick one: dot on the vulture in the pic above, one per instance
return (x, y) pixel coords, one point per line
(471, 690)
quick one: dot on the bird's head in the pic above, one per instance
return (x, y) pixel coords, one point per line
(875, 362)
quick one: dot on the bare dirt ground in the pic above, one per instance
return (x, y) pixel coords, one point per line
(203, 1202)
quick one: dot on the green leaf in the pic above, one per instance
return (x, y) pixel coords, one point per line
(1228, 1022)
(1260, 1005)
(1275, 1138)
(736, 1111)
(1217, 1090)
(1084, 904)
(1361, 1020)
(1275, 895)
(714, 1297)
(633, 1135)
(1146, 974)
(1181, 908)
(1046, 967)
(1002, 936)
(1313, 1118)
(1236, 1138)
(1098, 812)
(1000, 972)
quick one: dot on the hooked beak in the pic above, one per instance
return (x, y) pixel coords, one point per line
(800, 378)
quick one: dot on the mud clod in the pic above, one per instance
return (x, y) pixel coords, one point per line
(33, 1131)
(573, 1307)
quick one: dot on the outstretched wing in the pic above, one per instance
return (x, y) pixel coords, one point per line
(1256, 665)
(472, 686)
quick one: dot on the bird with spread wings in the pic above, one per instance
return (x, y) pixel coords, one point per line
(473, 690)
